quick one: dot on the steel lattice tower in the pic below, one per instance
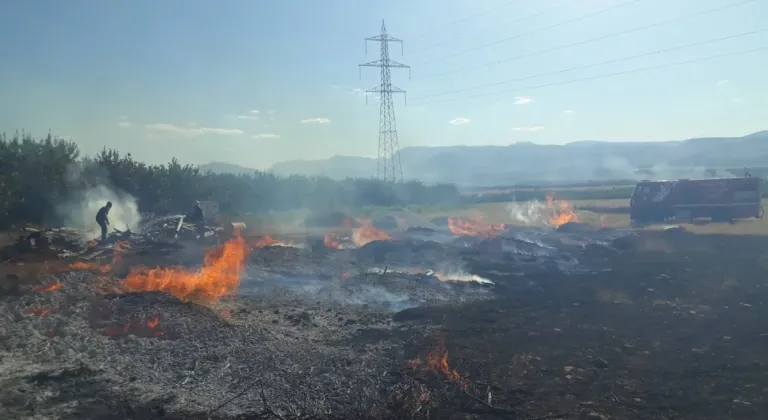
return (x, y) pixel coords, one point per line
(388, 168)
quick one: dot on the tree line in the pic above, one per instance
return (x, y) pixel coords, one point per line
(36, 175)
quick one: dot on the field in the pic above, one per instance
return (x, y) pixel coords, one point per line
(586, 321)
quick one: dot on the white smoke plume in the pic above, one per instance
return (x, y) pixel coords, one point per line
(620, 168)
(529, 212)
(79, 209)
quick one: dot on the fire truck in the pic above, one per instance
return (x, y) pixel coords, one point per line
(721, 199)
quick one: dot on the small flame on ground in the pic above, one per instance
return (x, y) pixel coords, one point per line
(474, 228)
(437, 361)
(139, 329)
(153, 323)
(368, 233)
(219, 276)
(117, 256)
(332, 241)
(562, 213)
(267, 241)
(50, 287)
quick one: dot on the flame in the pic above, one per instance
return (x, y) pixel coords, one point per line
(50, 287)
(267, 240)
(140, 329)
(153, 323)
(562, 213)
(437, 361)
(368, 233)
(474, 228)
(117, 256)
(219, 276)
(332, 241)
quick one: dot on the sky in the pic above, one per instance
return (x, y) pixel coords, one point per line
(255, 82)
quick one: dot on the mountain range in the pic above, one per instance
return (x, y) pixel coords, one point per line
(528, 162)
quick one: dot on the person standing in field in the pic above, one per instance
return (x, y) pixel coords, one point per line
(198, 218)
(102, 218)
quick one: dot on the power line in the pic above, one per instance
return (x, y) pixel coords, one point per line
(472, 16)
(531, 16)
(602, 76)
(586, 66)
(599, 38)
(578, 18)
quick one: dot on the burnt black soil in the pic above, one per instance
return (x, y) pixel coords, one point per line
(669, 327)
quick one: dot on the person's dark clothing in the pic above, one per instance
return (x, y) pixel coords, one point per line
(196, 215)
(198, 218)
(103, 220)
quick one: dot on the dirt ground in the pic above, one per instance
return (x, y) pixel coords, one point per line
(656, 325)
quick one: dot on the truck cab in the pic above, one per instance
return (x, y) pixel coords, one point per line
(650, 201)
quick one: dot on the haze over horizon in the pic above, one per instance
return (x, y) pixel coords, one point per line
(257, 83)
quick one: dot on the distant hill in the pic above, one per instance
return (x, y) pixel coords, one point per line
(577, 161)
(225, 168)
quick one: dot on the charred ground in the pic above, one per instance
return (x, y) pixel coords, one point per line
(653, 325)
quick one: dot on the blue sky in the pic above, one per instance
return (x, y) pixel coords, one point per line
(183, 78)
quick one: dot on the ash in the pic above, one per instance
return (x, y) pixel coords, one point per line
(286, 346)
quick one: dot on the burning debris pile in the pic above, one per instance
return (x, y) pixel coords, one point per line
(260, 319)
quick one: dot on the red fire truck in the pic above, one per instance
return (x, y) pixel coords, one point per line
(721, 199)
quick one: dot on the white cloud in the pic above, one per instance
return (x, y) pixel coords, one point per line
(247, 117)
(459, 121)
(122, 122)
(255, 111)
(569, 112)
(193, 130)
(723, 82)
(522, 100)
(529, 129)
(266, 136)
(316, 120)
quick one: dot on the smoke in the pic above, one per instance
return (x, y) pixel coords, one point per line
(79, 208)
(620, 168)
(529, 212)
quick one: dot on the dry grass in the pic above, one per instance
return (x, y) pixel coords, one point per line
(499, 213)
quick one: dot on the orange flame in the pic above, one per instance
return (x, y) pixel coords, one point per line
(137, 329)
(332, 241)
(562, 213)
(267, 240)
(437, 361)
(50, 287)
(117, 256)
(368, 233)
(219, 276)
(474, 228)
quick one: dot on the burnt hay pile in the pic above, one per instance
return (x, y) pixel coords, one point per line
(288, 346)
(138, 348)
